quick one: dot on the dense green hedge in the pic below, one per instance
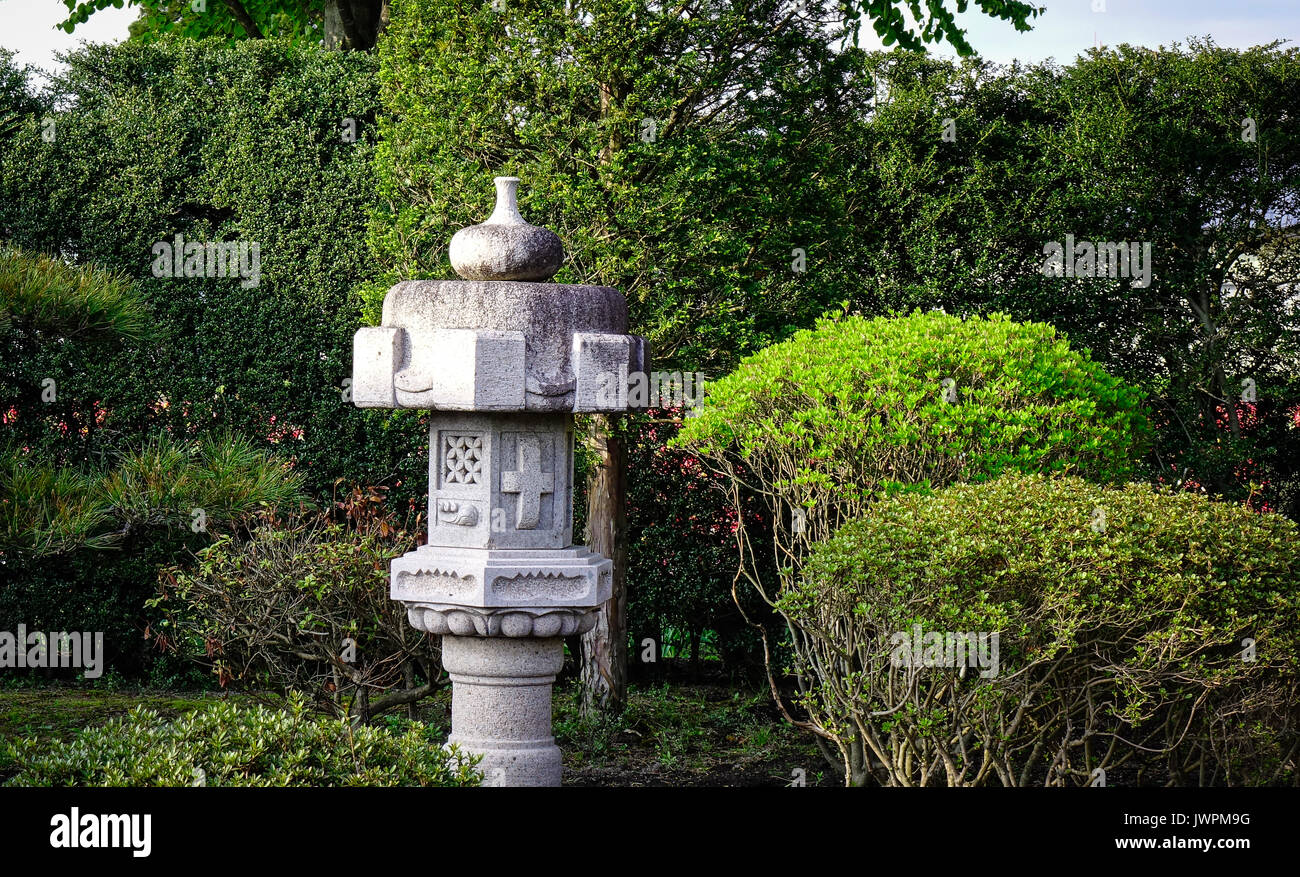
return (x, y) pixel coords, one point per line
(1138, 628)
(131, 146)
(242, 143)
(228, 745)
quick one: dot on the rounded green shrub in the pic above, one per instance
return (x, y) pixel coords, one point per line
(227, 745)
(818, 427)
(826, 422)
(857, 405)
(1137, 630)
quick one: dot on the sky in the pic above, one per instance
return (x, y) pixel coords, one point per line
(27, 27)
(1068, 28)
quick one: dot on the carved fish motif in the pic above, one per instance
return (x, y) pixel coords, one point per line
(452, 513)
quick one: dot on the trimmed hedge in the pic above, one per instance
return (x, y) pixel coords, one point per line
(227, 745)
(1139, 631)
(859, 405)
(824, 424)
(242, 143)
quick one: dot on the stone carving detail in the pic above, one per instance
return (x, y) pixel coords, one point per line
(460, 513)
(442, 619)
(462, 459)
(539, 584)
(528, 481)
(504, 246)
(550, 386)
(503, 360)
(434, 581)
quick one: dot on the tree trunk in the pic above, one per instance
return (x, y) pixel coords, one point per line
(251, 30)
(354, 24)
(604, 647)
(408, 676)
(334, 35)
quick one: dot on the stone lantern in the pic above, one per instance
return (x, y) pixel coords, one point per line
(503, 359)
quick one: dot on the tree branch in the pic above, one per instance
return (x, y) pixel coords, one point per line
(245, 20)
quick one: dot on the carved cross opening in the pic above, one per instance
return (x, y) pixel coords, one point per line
(529, 481)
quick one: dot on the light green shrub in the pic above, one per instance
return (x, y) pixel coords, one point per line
(1123, 616)
(227, 745)
(822, 425)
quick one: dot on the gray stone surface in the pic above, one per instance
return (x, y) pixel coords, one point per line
(504, 362)
(501, 481)
(501, 706)
(505, 246)
(445, 619)
(461, 370)
(601, 364)
(543, 311)
(376, 355)
(549, 316)
(573, 577)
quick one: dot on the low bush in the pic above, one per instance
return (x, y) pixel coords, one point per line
(227, 745)
(1155, 634)
(808, 433)
(302, 605)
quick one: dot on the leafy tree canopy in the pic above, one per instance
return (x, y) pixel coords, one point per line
(910, 24)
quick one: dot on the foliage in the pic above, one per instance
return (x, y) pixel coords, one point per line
(233, 19)
(48, 297)
(191, 487)
(301, 604)
(819, 427)
(682, 734)
(681, 554)
(228, 745)
(1122, 615)
(934, 21)
(1193, 149)
(681, 159)
(250, 143)
(823, 424)
(147, 505)
(299, 20)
